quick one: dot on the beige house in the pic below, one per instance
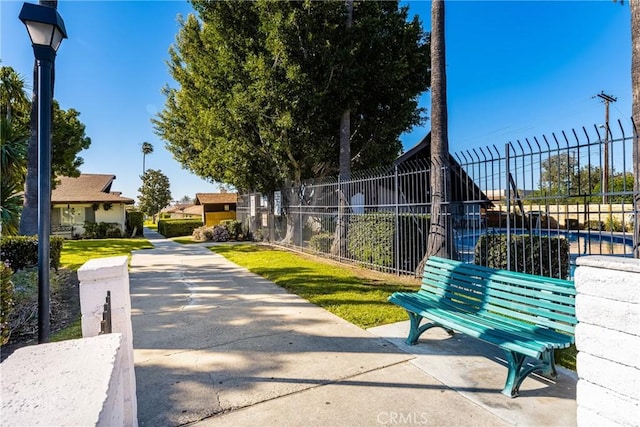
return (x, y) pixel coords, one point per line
(87, 198)
(184, 211)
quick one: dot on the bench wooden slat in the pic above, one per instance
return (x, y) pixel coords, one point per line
(523, 314)
(556, 315)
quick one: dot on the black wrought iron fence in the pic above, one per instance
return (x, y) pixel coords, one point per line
(571, 189)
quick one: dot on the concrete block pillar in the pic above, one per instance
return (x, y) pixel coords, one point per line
(97, 276)
(608, 341)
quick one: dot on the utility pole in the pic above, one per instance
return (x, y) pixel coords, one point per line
(605, 164)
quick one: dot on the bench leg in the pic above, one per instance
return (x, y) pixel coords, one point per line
(549, 370)
(416, 330)
(518, 371)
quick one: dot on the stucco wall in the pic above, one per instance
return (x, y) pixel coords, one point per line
(608, 341)
(74, 383)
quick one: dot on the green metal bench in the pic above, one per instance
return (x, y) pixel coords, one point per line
(523, 314)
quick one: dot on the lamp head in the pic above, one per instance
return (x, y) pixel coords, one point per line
(44, 24)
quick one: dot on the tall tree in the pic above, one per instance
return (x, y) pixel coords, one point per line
(262, 87)
(29, 217)
(147, 148)
(155, 192)
(438, 243)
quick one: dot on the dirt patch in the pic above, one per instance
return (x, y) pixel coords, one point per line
(65, 309)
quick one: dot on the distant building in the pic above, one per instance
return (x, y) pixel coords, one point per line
(217, 207)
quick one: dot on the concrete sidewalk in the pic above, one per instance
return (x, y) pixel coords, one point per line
(217, 345)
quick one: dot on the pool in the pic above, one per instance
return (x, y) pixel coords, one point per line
(581, 243)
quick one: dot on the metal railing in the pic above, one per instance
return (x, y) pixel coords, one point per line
(548, 186)
(105, 323)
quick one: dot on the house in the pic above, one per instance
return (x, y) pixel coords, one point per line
(86, 199)
(217, 207)
(183, 211)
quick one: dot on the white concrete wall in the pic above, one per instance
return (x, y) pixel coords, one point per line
(72, 383)
(97, 276)
(608, 341)
(115, 214)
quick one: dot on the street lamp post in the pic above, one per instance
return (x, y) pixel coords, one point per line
(46, 31)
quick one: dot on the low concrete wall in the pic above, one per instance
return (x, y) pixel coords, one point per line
(74, 383)
(608, 341)
(98, 276)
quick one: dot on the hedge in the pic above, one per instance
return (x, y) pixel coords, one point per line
(178, 227)
(541, 255)
(370, 238)
(6, 301)
(135, 220)
(20, 252)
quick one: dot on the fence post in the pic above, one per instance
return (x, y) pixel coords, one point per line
(507, 166)
(97, 276)
(397, 203)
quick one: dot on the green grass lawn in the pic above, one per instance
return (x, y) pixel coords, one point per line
(77, 252)
(357, 295)
(151, 225)
(184, 240)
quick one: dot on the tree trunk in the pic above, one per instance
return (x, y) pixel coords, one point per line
(635, 112)
(438, 238)
(339, 246)
(29, 217)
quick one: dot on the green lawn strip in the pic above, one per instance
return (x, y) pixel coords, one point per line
(151, 225)
(354, 297)
(184, 240)
(77, 252)
(71, 332)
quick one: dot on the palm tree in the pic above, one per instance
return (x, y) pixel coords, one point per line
(147, 148)
(12, 147)
(438, 239)
(11, 91)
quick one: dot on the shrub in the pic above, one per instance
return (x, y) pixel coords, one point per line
(234, 227)
(134, 221)
(101, 230)
(6, 302)
(178, 227)
(613, 223)
(321, 242)
(220, 234)
(541, 255)
(370, 238)
(20, 252)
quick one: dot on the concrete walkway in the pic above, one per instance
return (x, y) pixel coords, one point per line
(217, 345)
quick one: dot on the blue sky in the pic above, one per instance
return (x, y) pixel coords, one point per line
(515, 70)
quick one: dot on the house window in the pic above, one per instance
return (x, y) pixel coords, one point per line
(71, 216)
(226, 207)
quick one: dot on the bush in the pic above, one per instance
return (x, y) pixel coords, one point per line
(370, 238)
(540, 255)
(6, 302)
(321, 242)
(220, 234)
(20, 252)
(234, 227)
(613, 223)
(178, 227)
(101, 230)
(134, 221)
